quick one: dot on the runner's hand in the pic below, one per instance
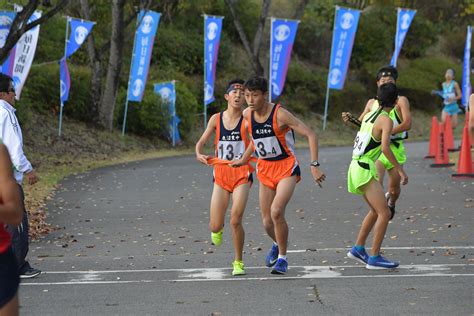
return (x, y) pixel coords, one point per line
(403, 176)
(318, 175)
(238, 163)
(202, 158)
(345, 116)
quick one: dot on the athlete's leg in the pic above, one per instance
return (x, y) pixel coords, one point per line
(454, 120)
(374, 196)
(239, 201)
(380, 171)
(219, 204)
(266, 196)
(394, 185)
(443, 116)
(284, 191)
(11, 308)
(367, 225)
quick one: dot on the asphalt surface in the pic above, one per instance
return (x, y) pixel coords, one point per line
(133, 240)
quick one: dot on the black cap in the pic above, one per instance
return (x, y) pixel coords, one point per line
(387, 71)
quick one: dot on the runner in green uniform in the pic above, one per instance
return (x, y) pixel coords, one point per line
(401, 118)
(373, 139)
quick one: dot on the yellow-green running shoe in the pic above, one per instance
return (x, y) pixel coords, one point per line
(238, 268)
(217, 237)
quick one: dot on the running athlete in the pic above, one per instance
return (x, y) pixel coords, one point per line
(372, 139)
(231, 141)
(401, 117)
(11, 213)
(278, 170)
(451, 93)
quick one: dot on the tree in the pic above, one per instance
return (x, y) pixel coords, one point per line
(104, 89)
(20, 26)
(253, 51)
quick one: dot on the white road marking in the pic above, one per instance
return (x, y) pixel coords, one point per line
(303, 272)
(384, 248)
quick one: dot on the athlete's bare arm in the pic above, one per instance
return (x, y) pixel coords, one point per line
(250, 149)
(286, 119)
(11, 209)
(383, 129)
(458, 92)
(211, 126)
(404, 107)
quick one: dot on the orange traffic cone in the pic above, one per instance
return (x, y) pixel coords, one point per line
(465, 168)
(448, 130)
(433, 138)
(441, 158)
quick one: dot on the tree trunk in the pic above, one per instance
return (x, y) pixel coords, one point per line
(20, 26)
(96, 68)
(107, 106)
(256, 65)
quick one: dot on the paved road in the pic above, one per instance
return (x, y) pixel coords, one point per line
(133, 240)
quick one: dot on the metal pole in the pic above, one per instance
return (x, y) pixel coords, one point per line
(62, 103)
(329, 72)
(326, 107)
(125, 117)
(270, 63)
(60, 119)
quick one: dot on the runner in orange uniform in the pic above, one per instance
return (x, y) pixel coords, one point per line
(278, 171)
(231, 141)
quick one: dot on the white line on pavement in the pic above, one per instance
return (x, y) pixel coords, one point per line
(384, 248)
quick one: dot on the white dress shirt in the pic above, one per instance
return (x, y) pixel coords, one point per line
(10, 134)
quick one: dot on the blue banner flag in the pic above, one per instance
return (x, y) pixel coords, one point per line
(144, 38)
(283, 33)
(212, 35)
(6, 20)
(65, 81)
(404, 19)
(466, 71)
(79, 31)
(167, 92)
(345, 28)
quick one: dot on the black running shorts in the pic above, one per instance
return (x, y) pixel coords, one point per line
(9, 278)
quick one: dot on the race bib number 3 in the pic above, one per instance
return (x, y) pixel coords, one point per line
(360, 143)
(267, 147)
(230, 150)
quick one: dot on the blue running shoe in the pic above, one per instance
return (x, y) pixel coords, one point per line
(358, 255)
(272, 256)
(379, 262)
(280, 267)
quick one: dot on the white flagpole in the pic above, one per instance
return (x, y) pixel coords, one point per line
(62, 103)
(270, 65)
(129, 78)
(329, 73)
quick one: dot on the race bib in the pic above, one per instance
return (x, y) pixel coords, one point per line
(230, 150)
(360, 143)
(449, 96)
(267, 147)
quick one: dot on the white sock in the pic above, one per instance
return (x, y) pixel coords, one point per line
(275, 244)
(282, 257)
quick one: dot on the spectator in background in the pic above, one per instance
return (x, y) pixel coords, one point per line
(10, 133)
